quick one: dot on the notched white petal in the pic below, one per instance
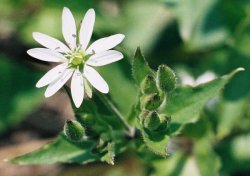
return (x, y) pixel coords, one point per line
(51, 75)
(104, 58)
(86, 29)
(69, 28)
(106, 43)
(45, 54)
(77, 88)
(95, 79)
(57, 84)
(50, 42)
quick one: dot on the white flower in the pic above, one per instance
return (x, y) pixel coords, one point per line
(76, 59)
(187, 79)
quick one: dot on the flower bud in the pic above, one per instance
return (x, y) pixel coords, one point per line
(148, 85)
(151, 101)
(152, 121)
(165, 121)
(166, 79)
(74, 130)
(143, 115)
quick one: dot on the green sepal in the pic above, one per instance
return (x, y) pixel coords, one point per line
(88, 88)
(151, 121)
(151, 102)
(74, 130)
(148, 85)
(165, 122)
(166, 79)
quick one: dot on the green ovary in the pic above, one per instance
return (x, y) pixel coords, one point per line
(77, 59)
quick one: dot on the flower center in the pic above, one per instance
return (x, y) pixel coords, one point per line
(77, 58)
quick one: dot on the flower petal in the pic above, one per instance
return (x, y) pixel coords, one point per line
(104, 58)
(50, 42)
(45, 54)
(95, 79)
(77, 88)
(57, 84)
(87, 28)
(105, 43)
(205, 77)
(69, 28)
(52, 75)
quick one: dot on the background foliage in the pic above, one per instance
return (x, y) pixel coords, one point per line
(209, 131)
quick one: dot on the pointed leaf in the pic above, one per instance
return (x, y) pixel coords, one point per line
(185, 104)
(140, 68)
(60, 151)
(157, 143)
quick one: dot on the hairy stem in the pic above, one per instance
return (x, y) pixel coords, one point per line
(109, 104)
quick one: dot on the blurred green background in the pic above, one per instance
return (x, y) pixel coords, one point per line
(191, 36)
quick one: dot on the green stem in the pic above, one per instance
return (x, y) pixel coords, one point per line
(109, 104)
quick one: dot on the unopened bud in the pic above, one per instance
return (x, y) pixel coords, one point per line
(74, 130)
(148, 85)
(165, 122)
(143, 115)
(152, 121)
(166, 79)
(151, 101)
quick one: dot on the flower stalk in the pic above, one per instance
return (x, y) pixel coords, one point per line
(110, 105)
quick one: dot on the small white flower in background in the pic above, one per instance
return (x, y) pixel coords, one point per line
(77, 59)
(187, 79)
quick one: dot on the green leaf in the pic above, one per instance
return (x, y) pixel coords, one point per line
(185, 103)
(156, 141)
(140, 68)
(61, 150)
